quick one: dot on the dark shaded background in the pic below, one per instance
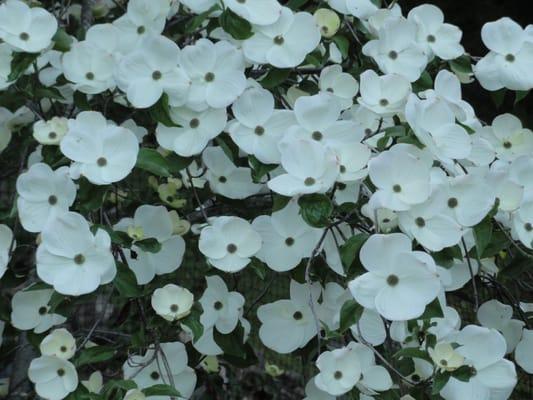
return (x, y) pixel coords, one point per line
(470, 15)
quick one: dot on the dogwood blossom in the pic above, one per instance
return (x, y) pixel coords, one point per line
(229, 242)
(389, 287)
(73, 259)
(101, 152)
(172, 302)
(43, 194)
(152, 222)
(30, 310)
(54, 377)
(284, 43)
(26, 29)
(6, 242)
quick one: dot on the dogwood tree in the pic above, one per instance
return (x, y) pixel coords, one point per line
(166, 165)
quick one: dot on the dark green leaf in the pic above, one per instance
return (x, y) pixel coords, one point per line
(351, 312)
(316, 209)
(80, 101)
(296, 5)
(464, 373)
(483, 235)
(461, 65)
(279, 202)
(413, 352)
(43, 92)
(160, 112)
(343, 44)
(349, 251)
(236, 352)
(161, 390)
(20, 63)
(236, 26)
(150, 245)
(62, 41)
(439, 381)
(520, 95)
(126, 283)
(90, 197)
(498, 97)
(94, 355)
(192, 321)
(152, 161)
(433, 310)
(274, 78)
(259, 170)
(195, 22)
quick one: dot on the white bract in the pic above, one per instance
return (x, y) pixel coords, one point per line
(311, 168)
(71, 258)
(286, 238)
(216, 71)
(151, 70)
(43, 194)
(221, 308)
(510, 58)
(50, 132)
(397, 291)
(397, 51)
(229, 242)
(103, 153)
(286, 42)
(58, 343)
(30, 310)
(287, 325)
(152, 222)
(258, 127)
(172, 302)
(195, 130)
(54, 377)
(26, 29)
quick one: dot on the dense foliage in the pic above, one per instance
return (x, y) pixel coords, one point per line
(226, 199)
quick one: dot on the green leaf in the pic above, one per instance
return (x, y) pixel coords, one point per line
(439, 381)
(195, 22)
(94, 355)
(150, 245)
(296, 5)
(126, 283)
(413, 352)
(279, 202)
(463, 373)
(117, 237)
(259, 169)
(433, 310)
(316, 209)
(343, 44)
(161, 390)
(62, 41)
(236, 26)
(520, 95)
(160, 112)
(274, 78)
(236, 352)
(90, 197)
(461, 65)
(43, 92)
(482, 235)
(423, 83)
(498, 97)
(192, 321)
(80, 101)
(20, 63)
(152, 161)
(114, 387)
(351, 312)
(349, 251)
(260, 268)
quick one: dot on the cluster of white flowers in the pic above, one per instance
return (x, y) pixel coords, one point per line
(329, 149)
